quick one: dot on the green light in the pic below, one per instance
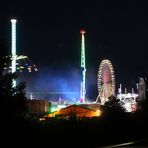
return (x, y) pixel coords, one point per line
(53, 109)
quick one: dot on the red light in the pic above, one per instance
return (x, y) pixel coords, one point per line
(134, 107)
(82, 31)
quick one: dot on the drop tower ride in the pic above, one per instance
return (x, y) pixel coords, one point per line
(14, 56)
(83, 68)
(13, 47)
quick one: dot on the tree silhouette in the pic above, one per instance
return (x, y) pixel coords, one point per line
(113, 107)
(12, 99)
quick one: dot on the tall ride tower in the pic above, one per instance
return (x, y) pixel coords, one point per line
(13, 47)
(83, 68)
(14, 57)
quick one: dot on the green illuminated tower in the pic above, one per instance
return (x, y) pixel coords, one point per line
(83, 68)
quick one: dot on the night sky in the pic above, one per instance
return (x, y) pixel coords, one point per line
(48, 32)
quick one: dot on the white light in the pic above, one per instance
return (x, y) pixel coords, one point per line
(82, 84)
(13, 20)
(13, 47)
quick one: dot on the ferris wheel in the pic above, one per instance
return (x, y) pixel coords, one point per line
(106, 81)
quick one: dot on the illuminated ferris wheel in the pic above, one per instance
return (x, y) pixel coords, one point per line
(106, 81)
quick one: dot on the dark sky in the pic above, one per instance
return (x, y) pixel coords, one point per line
(48, 33)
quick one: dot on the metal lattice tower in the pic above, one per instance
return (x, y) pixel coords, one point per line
(83, 68)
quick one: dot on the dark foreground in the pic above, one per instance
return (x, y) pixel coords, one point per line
(92, 133)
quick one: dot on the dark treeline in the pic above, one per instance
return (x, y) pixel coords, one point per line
(12, 98)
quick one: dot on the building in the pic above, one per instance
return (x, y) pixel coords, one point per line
(76, 111)
(38, 106)
(141, 89)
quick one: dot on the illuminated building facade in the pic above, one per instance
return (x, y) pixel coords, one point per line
(75, 111)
